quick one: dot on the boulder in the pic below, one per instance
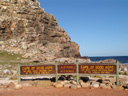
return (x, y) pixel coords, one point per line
(78, 86)
(11, 85)
(125, 69)
(67, 85)
(73, 82)
(95, 85)
(107, 87)
(7, 72)
(3, 86)
(73, 86)
(18, 86)
(105, 81)
(102, 85)
(117, 87)
(85, 85)
(58, 85)
(44, 83)
(62, 82)
(126, 86)
(110, 84)
(14, 77)
(109, 61)
(80, 81)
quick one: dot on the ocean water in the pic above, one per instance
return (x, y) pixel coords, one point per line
(121, 59)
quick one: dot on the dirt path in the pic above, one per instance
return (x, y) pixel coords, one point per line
(51, 91)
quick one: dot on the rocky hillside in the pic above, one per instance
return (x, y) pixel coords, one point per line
(25, 28)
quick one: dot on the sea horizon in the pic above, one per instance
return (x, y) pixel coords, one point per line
(105, 56)
(121, 59)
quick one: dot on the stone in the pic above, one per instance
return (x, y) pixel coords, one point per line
(11, 85)
(80, 81)
(88, 61)
(125, 69)
(73, 86)
(62, 82)
(27, 84)
(124, 82)
(95, 85)
(107, 87)
(58, 85)
(117, 87)
(109, 61)
(3, 86)
(14, 77)
(44, 83)
(18, 86)
(7, 72)
(1, 89)
(73, 82)
(78, 86)
(106, 81)
(94, 82)
(109, 84)
(53, 84)
(102, 85)
(67, 85)
(126, 89)
(66, 81)
(85, 85)
(127, 86)
(24, 45)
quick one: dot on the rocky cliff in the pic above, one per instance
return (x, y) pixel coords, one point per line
(25, 28)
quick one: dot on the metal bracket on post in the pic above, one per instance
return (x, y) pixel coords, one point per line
(19, 77)
(77, 72)
(56, 68)
(117, 72)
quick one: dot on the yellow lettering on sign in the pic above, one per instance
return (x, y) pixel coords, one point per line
(25, 68)
(108, 67)
(32, 68)
(48, 67)
(84, 67)
(99, 67)
(91, 67)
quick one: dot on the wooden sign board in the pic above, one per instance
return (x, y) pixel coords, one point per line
(75, 69)
(67, 68)
(42, 69)
(97, 69)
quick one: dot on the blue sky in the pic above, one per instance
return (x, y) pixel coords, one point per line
(100, 27)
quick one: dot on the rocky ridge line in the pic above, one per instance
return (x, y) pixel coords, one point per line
(25, 28)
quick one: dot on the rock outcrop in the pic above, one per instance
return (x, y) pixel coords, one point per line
(25, 28)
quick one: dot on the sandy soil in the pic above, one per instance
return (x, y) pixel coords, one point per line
(51, 91)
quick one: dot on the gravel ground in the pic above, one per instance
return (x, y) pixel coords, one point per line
(51, 91)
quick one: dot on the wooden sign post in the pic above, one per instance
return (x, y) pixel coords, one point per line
(19, 78)
(77, 72)
(56, 64)
(117, 72)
